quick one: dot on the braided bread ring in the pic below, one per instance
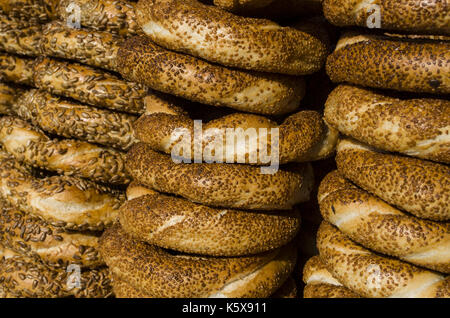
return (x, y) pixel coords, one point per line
(16, 69)
(89, 85)
(216, 184)
(93, 48)
(218, 36)
(160, 274)
(411, 16)
(371, 275)
(30, 145)
(61, 201)
(71, 120)
(417, 186)
(374, 224)
(8, 97)
(178, 224)
(422, 126)
(140, 60)
(391, 62)
(35, 11)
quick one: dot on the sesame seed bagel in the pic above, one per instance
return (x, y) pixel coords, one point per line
(162, 275)
(8, 97)
(23, 41)
(390, 62)
(371, 222)
(218, 36)
(22, 277)
(371, 275)
(115, 16)
(72, 120)
(414, 127)
(36, 11)
(140, 60)
(220, 185)
(50, 245)
(61, 201)
(30, 145)
(89, 47)
(16, 69)
(178, 224)
(416, 186)
(89, 85)
(411, 16)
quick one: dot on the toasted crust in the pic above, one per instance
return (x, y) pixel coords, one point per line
(16, 69)
(371, 275)
(89, 85)
(421, 126)
(23, 41)
(30, 145)
(160, 274)
(142, 61)
(405, 15)
(374, 224)
(35, 11)
(8, 97)
(392, 63)
(416, 186)
(216, 184)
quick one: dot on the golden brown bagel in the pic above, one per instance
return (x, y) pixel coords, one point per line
(61, 201)
(16, 69)
(23, 41)
(392, 63)
(30, 145)
(429, 17)
(160, 274)
(371, 275)
(36, 11)
(115, 16)
(220, 185)
(218, 36)
(374, 224)
(178, 224)
(72, 120)
(416, 186)
(50, 245)
(21, 276)
(140, 60)
(415, 127)
(89, 85)
(8, 97)
(93, 48)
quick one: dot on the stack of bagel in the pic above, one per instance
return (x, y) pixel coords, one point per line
(386, 208)
(215, 225)
(66, 120)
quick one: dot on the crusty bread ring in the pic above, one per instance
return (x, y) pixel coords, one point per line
(23, 41)
(371, 275)
(8, 97)
(140, 60)
(391, 62)
(50, 245)
(16, 69)
(61, 201)
(218, 36)
(415, 127)
(36, 11)
(321, 284)
(89, 85)
(430, 17)
(93, 48)
(72, 120)
(374, 224)
(416, 186)
(21, 276)
(302, 136)
(220, 185)
(159, 274)
(30, 145)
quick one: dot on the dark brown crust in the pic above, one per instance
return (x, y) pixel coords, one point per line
(288, 290)
(8, 97)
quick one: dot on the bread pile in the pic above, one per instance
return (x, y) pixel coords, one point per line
(386, 208)
(65, 128)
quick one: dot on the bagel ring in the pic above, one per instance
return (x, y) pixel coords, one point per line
(207, 32)
(30, 145)
(8, 97)
(416, 186)
(159, 274)
(371, 275)
(391, 62)
(422, 126)
(374, 224)
(61, 201)
(16, 69)
(216, 184)
(140, 60)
